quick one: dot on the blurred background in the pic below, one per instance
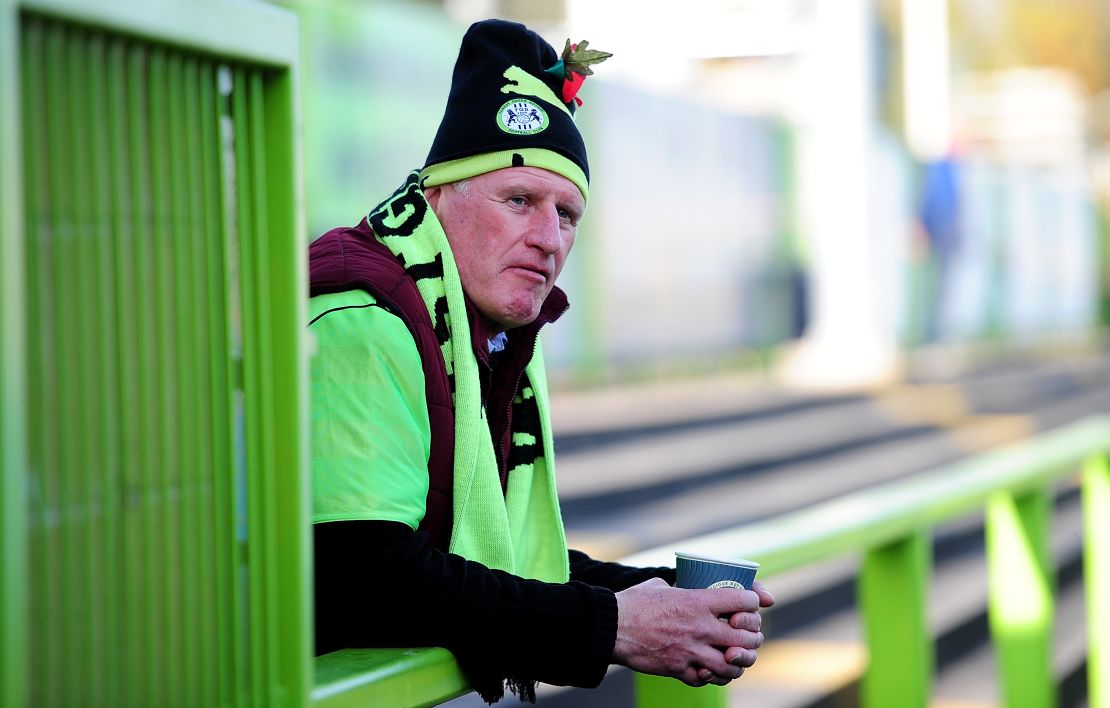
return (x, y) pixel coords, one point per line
(810, 192)
(829, 245)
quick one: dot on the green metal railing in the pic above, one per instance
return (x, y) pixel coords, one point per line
(155, 492)
(357, 678)
(891, 524)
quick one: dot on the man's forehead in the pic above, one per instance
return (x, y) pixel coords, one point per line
(535, 178)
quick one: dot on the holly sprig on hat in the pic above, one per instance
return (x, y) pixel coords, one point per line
(574, 66)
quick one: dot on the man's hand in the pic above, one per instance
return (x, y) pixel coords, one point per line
(747, 620)
(676, 632)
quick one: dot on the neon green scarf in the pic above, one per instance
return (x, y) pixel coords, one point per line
(520, 530)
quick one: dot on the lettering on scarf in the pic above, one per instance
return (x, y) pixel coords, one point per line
(420, 271)
(401, 214)
(442, 329)
(525, 448)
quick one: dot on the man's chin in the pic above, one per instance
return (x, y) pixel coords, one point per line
(512, 320)
(514, 323)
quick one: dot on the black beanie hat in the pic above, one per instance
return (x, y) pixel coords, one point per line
(505, 109)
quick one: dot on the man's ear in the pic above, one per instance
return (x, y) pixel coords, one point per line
(432, 195)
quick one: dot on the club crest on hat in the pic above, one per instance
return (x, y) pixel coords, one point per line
(521, 116)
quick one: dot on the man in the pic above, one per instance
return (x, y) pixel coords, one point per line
(435, 516)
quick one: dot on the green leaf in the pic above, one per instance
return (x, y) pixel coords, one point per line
(584, 57)
(591, 56)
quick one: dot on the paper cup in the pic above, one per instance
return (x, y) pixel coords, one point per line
(696, 571)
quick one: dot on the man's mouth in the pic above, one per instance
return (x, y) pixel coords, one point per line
(533, 272)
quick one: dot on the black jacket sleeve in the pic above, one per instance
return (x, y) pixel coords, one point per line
(613, 576)
(379, 584)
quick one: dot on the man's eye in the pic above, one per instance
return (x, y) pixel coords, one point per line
(518, 201)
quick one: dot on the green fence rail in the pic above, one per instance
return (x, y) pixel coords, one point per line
(890, 524)
(155, 521)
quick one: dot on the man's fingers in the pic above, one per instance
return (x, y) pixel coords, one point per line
(721, 667)
(766, 599)
(726, 601)
(720, 678)
(690, 676)
(750, 621)
(691, 680)
(746, 640)
(741, 657)
(714, 660)
(723, 635)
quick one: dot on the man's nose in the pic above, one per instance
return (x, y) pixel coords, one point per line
(544, 233)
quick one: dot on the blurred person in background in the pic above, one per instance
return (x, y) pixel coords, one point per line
(940, 220)
(435, 515)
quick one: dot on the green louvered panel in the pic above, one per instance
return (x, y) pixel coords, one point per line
(156, 504)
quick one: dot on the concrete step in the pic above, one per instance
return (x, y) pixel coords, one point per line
(584, 419)
(685, 496)
(703, 453)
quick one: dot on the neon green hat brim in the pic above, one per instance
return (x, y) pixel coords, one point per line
(467, 167)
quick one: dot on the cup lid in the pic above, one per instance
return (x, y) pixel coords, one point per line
(741, 562)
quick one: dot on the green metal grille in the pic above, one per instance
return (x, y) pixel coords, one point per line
(164, 475)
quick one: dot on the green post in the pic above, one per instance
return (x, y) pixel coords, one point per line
(288, 290)
(14, 662)
(127, 549)
(1096, 571)
(1020, 604)
(1102, 220)
(892, 595)
(663, 692)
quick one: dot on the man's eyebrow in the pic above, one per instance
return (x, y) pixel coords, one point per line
(566, 201)
(516, 188)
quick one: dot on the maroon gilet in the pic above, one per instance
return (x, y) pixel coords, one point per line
(352, 258)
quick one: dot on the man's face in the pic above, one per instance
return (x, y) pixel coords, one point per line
(510, 232)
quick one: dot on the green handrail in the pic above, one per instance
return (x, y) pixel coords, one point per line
(355, 678)
(889, 524)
